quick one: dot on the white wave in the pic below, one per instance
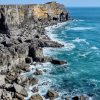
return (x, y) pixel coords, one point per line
(85, 54)
(78, 20)
(94, 48)
(69, 46)
(56, 26)
(79, 28)
(78, 40)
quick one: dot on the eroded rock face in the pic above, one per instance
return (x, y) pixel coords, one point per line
(20, 13)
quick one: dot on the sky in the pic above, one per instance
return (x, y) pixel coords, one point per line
(67, 3)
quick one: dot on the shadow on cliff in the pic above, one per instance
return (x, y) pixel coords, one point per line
(3, 25)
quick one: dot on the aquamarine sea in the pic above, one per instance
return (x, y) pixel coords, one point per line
(81, 39)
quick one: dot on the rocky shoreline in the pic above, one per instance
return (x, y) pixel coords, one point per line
(21, 46)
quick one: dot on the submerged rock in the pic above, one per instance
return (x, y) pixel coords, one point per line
(58, 62)
(35, 89)
(38, 72)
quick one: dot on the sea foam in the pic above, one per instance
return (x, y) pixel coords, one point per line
(79, 28)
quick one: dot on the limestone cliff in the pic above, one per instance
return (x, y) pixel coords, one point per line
(16, 14)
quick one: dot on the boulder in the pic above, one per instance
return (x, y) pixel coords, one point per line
(51, 94)
(19, 96)
(2, 80)
(58, 62)
(38, 72)
(20, 90)
(36, 97)
(32, 81)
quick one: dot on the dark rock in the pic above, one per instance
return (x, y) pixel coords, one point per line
(36, 97)
(20, 39)
(37, 36)
(35, 52)
(7, 43)
(28, 60)
(35, 89)
(51, 94)
(76, 98)
(58, 62)
(38, 72)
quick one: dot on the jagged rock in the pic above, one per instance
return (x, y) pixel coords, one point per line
(23, 67)
(35, 52)
(7, 43)
(51, 94)
(2, 80)
(28, 60)
(38, 72)
(58, 62)
(9, 87)
(6, 95)
(19, 96)
(32, 81)
(35, 89)
(22, 79)
(36, 97)
(22, 50)
(11, 78)
(20, 90)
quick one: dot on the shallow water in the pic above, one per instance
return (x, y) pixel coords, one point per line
(81, 39)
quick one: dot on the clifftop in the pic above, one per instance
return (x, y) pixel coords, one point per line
(16, 14)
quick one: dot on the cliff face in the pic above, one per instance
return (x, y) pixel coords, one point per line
(16, 14)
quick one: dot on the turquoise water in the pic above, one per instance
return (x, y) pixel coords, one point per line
(81, 37)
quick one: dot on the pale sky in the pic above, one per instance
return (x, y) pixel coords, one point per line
(67, 3)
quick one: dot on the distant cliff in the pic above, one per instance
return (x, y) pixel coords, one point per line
(16, 14)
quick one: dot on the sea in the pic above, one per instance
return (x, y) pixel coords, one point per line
(81, 39)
